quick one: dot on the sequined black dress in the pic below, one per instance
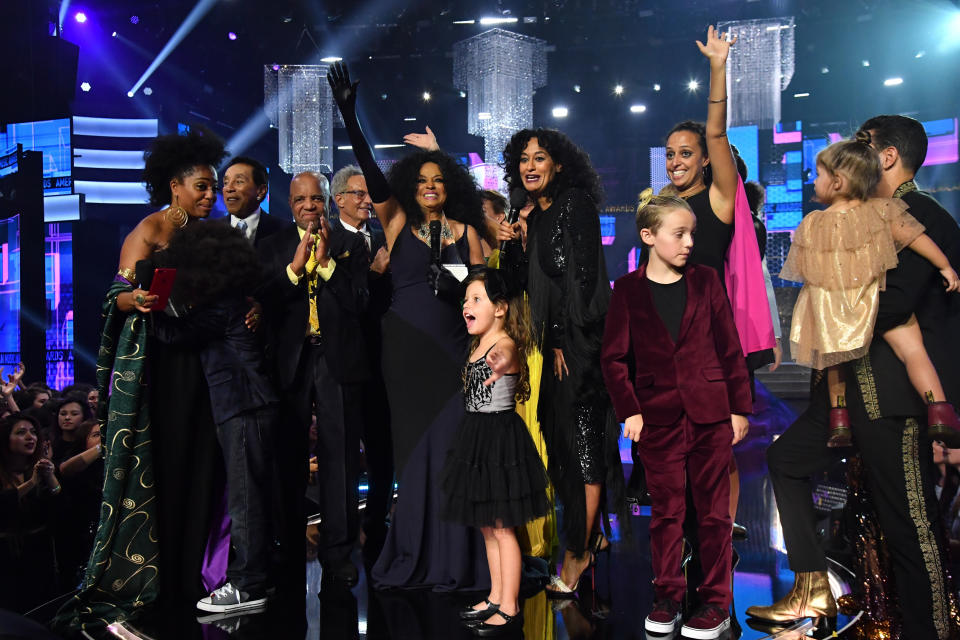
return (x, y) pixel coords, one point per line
(493, 474)
(569, 293)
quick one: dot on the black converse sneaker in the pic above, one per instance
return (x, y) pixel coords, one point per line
(228, 598)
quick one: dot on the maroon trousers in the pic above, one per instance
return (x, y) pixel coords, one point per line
(672, 456)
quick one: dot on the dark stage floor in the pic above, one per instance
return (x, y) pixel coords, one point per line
(611, 605)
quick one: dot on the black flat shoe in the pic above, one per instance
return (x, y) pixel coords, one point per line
(470, 613)
(513, 624)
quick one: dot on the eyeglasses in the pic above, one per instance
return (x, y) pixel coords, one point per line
(359, 195)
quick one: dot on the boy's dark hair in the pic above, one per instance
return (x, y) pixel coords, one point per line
(211, 260)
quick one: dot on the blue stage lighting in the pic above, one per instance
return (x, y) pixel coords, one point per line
(196, 14)
(80, 17)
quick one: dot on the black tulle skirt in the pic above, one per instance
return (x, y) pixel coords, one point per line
(493, 474)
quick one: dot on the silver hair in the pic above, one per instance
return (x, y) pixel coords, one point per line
(340, 178)
(322, 181)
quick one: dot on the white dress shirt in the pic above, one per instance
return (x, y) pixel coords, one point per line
(365, 230)
(252, 220)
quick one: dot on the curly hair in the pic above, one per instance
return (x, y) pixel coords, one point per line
(212, 260)
(175, 157)
(516, 324)
(463, 197)
(574, 167)
(7, 479)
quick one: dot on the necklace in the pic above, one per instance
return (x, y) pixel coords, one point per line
(446, 233)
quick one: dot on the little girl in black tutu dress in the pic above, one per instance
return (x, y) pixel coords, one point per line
(493, 477)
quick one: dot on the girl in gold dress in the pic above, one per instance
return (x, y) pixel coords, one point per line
(842, 254)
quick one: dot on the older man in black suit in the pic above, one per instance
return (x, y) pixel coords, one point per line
(244, 189)
(356, 208)
(316, 295)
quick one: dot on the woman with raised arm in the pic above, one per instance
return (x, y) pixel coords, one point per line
(424, 343)
(702, 170)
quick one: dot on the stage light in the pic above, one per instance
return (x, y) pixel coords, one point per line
(560, 112)
(638, 108)
(113, 35)
(129, 94)
(331, 59)
(865, 63)
(892, 82)
(232, 35)
(801, 95)
(463, 94)
(576, 88)
(486, 21)
(426, 96)
(464, 21)
(80, 17)
(410, 119)
(618, 89)
(275, 67)
(147, 91)
(196, 14)
(920, 54)
(656, 87)
(85, 86)
(693, 85)
(383, 96)
(134, 19)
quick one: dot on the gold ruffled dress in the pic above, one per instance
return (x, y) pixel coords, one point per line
(842, 258)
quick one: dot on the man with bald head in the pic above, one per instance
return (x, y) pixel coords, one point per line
(316, 294)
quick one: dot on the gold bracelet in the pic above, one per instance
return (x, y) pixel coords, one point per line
(716, 101)
(128, 274)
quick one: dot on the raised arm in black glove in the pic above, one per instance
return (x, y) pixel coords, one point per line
(345, 95)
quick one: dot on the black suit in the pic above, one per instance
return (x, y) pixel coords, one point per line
(325, 371)
(377, 439)
(231, 355)
(889, 430)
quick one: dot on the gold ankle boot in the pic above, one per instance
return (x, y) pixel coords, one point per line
(810, 597)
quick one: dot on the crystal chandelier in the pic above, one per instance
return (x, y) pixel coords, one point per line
(499, 70)
(760, 67)
(299, 104)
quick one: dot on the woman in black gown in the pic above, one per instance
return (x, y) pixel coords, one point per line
(566, 280)
(424, 346)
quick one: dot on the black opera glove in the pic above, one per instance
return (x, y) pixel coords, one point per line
(444, 284)
(344, 93)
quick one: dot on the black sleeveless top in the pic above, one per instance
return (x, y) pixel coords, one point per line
(712, 238)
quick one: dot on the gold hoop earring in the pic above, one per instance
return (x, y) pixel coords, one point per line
(177, 217)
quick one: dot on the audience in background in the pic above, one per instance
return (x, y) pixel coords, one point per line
(28, 498)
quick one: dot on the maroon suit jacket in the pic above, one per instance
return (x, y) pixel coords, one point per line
(703, 374)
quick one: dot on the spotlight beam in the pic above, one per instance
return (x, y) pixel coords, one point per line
(64, 7)
(195, 16)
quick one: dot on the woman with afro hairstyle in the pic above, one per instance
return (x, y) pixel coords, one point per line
(159, 439)
(566, 280)
(424, 345)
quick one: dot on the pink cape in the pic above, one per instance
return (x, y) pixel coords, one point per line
(744, 280)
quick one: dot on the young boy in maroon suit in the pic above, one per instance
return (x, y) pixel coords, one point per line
(676, 374)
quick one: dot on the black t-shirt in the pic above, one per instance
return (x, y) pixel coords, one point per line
(670, 301)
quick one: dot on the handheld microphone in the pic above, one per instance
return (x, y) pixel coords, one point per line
(435, 241)
(518, 200)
